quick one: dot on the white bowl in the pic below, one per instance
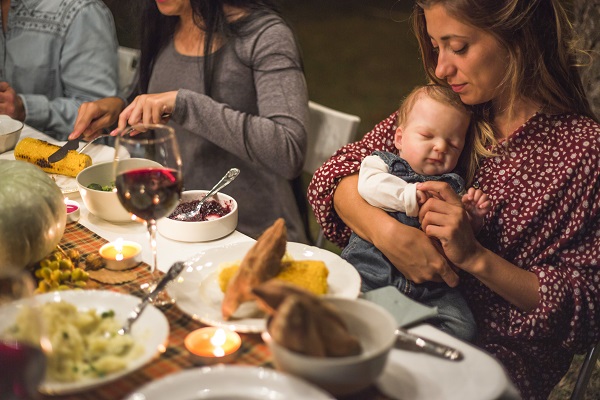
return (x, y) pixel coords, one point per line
(373, 325)
(105, 205)
(10, 132)
(200, 231)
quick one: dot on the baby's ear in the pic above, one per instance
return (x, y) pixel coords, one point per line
(398, 138)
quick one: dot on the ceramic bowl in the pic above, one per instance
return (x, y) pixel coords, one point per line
(10, 132)
(201, 231)
(374, 327)
(105, 205)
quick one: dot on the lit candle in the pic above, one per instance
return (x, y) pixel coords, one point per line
(72, 210)
(121, 254)
(213, 345)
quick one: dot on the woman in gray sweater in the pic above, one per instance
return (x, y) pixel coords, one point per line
(230, 76)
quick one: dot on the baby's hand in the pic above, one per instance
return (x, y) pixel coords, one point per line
(477, 205)
(422, 197)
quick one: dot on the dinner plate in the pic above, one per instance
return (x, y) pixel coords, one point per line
(151, 330)
(418, 376)
(197, 291)
(229, 382)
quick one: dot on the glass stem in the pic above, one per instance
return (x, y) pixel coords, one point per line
(151, 225)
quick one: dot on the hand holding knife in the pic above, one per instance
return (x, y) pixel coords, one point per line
(72, 144)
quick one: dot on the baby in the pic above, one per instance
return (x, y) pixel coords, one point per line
(435, 139)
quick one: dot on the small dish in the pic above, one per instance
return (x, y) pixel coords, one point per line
(371, 324)
(73, 210)
(201, 231)
(10, 132)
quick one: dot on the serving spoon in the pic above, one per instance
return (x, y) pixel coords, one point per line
(225, 180)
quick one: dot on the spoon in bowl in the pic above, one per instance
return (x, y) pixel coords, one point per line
(225, 180)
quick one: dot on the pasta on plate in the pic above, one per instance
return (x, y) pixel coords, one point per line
(85, 344)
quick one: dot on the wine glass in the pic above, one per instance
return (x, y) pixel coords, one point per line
(21, 338)
(150, 187)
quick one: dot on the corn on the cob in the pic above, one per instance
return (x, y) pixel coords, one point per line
(308, 274)
(37, 152)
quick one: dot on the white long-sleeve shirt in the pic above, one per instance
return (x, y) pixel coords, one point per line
(382, 189)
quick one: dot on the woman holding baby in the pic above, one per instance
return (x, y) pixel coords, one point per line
(531, 275)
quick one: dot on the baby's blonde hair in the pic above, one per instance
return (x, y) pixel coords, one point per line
(474, 148)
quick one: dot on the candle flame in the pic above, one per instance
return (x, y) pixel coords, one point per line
(218, 340)
(119, 249)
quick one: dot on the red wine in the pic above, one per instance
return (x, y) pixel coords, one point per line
(23, 368)
(149, 193)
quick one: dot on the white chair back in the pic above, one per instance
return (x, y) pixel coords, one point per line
(329, 130)
(128, 62)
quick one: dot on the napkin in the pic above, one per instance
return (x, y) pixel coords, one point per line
(405, 310)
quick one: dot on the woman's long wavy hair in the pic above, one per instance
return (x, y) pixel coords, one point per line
(157, 30)
(540, 41)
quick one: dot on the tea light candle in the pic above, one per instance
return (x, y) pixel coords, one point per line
(72, 210)
(213, 345)
(120, 254)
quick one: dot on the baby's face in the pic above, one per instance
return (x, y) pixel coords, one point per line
(433, 137)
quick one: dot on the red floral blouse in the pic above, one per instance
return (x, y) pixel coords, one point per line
(545, 191)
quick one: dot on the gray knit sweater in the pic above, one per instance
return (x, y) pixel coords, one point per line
(255, 120)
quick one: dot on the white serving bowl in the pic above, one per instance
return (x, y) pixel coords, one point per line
(105, 205)
(200, 231)
(373, 325)
(10, 132)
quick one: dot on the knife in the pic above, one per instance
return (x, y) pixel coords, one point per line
(408, 341)
(171, 274)
(63, 151)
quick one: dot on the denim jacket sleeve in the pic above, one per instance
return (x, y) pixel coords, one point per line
(89, 69)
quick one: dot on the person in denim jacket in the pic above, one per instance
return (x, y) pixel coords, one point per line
(55, 54)
(434, 130)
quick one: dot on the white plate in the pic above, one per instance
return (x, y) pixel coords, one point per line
(198, 294)
(418, 376)
(151, 329)
(229, 382)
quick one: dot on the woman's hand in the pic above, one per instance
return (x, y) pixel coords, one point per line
(443, 217)
(148, 109)
(11, 103)
(409, 249)
(94, 116)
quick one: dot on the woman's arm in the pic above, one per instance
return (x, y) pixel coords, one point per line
(269, 129)
(346, 161)
(89, 69)
(409, 249)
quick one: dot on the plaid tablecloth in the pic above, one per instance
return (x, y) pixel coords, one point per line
(253, 352)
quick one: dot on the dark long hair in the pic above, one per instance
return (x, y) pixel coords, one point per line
(156, 31)
(540, 42)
